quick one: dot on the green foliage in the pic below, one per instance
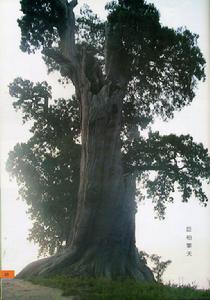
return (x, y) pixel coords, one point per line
(41, 23)
(163, 64)
(47, 166)
(157, 266)
(103, 289)
(32, 98)
(91, 31)
(166, 162)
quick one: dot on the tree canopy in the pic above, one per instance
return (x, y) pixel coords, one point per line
(47, 166)
(160, 71)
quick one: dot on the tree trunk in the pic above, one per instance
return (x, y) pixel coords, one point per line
(103, 238)
(105, 222)
(103, 242)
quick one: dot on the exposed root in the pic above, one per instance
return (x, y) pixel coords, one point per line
(109, 264)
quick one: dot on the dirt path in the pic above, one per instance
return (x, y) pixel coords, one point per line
(16, 289)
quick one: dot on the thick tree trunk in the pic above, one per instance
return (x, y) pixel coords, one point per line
(103, 242)
(104, 232)
(105, 222)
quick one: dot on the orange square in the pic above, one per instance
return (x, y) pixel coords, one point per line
(7, 274)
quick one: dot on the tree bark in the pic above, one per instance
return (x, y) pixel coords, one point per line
(105, 222)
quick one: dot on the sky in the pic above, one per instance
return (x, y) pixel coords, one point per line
(166, 238)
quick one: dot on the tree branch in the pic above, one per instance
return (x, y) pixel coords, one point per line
(160, 167)
(116, 59)
(67, 34)
(73, 3)
(65, 64)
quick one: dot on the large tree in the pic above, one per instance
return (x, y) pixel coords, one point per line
(126, 71)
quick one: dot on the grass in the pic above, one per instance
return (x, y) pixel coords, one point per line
(104, 289)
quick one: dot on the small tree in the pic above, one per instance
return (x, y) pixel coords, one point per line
(157, 265)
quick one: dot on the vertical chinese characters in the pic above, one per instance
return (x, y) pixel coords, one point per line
(189, 240)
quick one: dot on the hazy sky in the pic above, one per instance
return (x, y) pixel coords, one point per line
(166, 238)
